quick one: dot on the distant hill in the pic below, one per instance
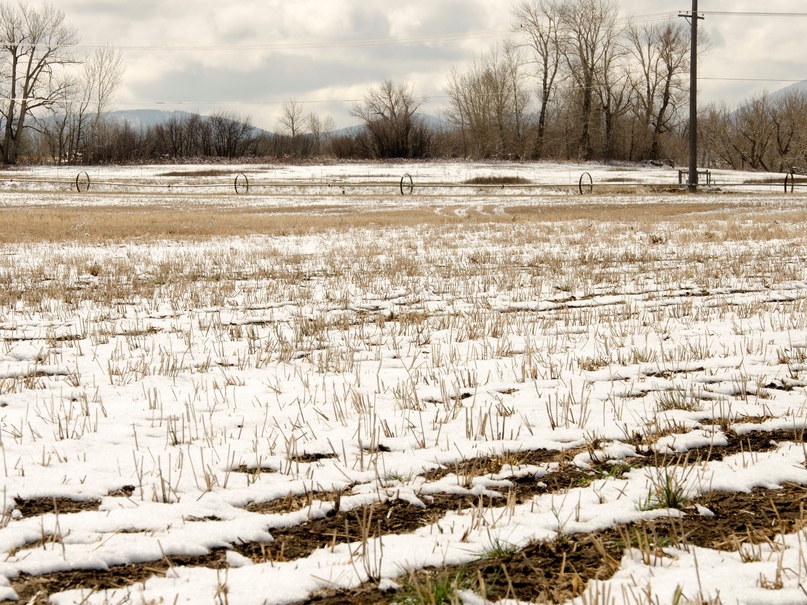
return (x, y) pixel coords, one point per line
(798, 87)
(146, 118)
(430, 121)
(141, 119)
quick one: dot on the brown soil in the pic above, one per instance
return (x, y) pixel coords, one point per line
(545, 571)
(40, 506)
(558, 570)
(34, 590)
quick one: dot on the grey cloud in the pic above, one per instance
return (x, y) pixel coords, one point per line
(275, 80)
(90, 11)
(368, 23)
(740, 47)
(716, 38)
(283, 75)
(453, 16)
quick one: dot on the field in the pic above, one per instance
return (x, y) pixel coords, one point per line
(490, 389)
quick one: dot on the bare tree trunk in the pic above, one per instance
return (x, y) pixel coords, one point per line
(34, 43)
(541, 20)
(590, 31)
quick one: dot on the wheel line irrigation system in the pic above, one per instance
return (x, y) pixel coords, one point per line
(241, 184)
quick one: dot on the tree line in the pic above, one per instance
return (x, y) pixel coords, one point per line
(575, 81)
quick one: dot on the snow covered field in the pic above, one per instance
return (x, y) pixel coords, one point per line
(359, 179)
(263, 418)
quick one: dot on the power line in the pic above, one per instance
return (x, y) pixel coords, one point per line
(754, 79)
(268, 102)
(647, 18)
(311, 45)
(481, 35)
(644, 18)
(751, 14)
(459, 37)
(278, 102)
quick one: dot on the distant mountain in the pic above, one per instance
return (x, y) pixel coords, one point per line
(141, 119)
(430, 121)
(798, 87)
(348, 131)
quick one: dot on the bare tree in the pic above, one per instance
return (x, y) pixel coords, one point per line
(103, 74)
(102, 77)
(291, 117)
(230, 134)
(80, 102)
(661, 60)
(391, 127)
(171, 137)
(34, 44)
(789, 116)
(519, 97)
(613, 90)
(753, 133)
(488, 104)
(540, 19)
(58, 131)
(590, 31)
(200, 135)
(714, 130)
(743, 138)
(459, 113)
(320, 129)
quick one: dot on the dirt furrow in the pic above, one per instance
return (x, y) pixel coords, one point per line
(782, 511)
(555, 571)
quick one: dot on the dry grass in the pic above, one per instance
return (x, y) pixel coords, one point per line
(111, 224)
(91, 224)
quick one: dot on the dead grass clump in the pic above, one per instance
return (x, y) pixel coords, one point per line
(198, 173)
(498, 180)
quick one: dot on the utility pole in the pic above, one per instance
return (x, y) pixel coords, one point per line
(693, 97)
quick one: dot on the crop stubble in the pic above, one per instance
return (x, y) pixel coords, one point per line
(565, 564)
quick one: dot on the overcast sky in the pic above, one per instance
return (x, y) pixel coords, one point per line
(249, 55)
